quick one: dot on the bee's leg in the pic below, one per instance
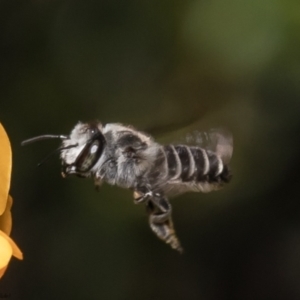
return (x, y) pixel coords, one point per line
(98, 181)
(159, 210)
(139, 198)
(142, 194)
(160, 220)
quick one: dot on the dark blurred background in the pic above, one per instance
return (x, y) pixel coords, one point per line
(164, 67)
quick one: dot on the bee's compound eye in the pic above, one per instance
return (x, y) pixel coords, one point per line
(94, 148)
(89, 156)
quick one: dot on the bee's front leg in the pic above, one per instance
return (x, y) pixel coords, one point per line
(98, 181)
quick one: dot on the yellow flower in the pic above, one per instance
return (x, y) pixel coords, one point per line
(7, 245)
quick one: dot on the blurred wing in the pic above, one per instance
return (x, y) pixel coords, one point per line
(217, 140)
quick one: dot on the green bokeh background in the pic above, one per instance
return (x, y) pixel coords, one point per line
(165, 67)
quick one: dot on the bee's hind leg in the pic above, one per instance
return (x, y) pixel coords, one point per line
(141, 197)
(143, 193)
(160, 220)
(160, 215)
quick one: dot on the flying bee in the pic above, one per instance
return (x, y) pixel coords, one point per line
(120, 155)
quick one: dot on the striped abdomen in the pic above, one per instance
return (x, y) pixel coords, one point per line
(196, 166)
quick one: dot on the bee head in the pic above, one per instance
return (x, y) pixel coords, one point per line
(80, 151)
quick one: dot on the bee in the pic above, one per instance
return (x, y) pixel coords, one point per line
(123, 156)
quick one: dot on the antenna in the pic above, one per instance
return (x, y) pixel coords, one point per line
(43, 137)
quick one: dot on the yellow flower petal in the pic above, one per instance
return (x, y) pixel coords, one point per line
(16, 252)
(5, 168)
(5, 218)
(5, 254)
(2, 271)
(9, 202)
